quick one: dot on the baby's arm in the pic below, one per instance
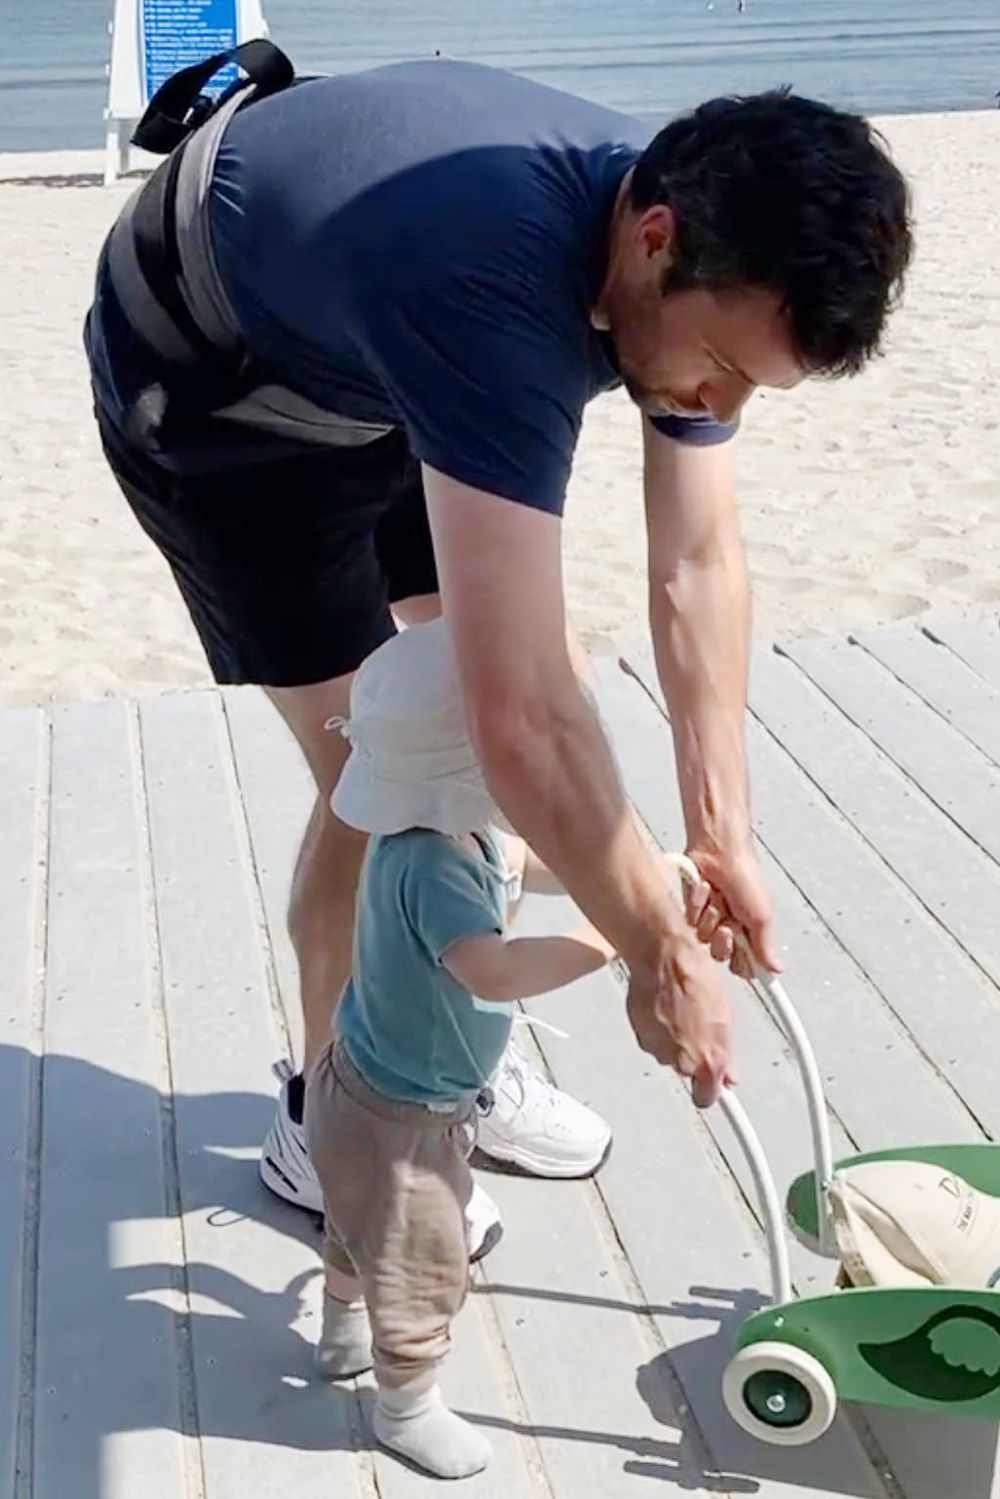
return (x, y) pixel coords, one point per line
(492, 968)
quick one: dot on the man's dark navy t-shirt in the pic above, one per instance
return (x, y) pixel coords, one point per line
(422, 245)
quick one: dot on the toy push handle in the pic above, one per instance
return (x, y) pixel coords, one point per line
(767, 1195)
(819, 1123)
(788, 1018)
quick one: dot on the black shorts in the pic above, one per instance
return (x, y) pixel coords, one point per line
(288, 566)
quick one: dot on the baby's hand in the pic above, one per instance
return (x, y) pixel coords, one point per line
(592, 938)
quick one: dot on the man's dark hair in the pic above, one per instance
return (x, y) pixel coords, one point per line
(779, 192)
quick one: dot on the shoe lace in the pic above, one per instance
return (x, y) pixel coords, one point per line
(520, 1070)
(535, 1022)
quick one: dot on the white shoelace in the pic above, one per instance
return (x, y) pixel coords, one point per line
(517, 1066)
(536, 1023)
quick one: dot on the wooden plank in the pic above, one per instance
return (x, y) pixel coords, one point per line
(109, 1393)
(698, 1264)
(951, 876)
(24, 794)
(920, 972)
(277, 793)
(940, 1455)
(960, 780)
(859, 1092)
(253, 1264)
(942, 680)
(976, 642)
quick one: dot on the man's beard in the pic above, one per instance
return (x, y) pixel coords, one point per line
(638, 392)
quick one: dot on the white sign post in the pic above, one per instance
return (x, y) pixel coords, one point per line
(150, 39)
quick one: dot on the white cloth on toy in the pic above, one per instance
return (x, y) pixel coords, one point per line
(908, 1223)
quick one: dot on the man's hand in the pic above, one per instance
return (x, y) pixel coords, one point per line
(733, 900)
(681, 1016)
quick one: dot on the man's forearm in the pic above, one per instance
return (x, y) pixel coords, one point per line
(700, 621)
(553, 774)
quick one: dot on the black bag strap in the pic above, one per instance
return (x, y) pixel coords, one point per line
(178, 107)
(154, 228)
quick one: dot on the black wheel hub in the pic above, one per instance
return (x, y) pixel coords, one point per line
(777, 1399)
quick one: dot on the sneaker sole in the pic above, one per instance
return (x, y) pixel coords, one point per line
(527, 1164)
(276, 1181)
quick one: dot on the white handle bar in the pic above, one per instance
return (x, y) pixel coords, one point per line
(770, 1202)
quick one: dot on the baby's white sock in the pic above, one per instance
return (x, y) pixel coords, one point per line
(345, 1344)
(423, 1429)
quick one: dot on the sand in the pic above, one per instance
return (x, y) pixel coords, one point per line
(864, 501)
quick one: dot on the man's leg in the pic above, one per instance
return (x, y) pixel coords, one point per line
(324, 883)
(325, 880)
(320, 924)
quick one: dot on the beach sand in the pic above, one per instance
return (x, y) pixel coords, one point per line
(864, 501)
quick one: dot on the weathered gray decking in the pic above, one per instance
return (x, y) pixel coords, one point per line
(157, 1307)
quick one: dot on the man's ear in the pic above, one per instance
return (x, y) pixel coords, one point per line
(655, 233)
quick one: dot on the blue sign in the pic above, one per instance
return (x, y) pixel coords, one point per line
(177, 33)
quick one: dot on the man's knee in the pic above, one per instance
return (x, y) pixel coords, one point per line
(307, 711)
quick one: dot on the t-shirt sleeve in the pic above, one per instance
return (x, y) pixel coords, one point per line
(446, 900)
(695, 431)
(490, 391)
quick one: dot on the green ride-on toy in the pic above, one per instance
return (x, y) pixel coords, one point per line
(933, 1348)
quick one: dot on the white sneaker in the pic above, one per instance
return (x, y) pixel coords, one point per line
(534, 1125)
(285, 1168)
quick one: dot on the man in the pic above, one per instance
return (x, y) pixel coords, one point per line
(346, 383)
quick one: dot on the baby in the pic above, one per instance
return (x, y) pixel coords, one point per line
(423, 1021)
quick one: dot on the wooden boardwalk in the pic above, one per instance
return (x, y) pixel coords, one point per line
(157, 1308)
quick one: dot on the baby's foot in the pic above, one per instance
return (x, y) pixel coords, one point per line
(345, 1344)
(423, 1429)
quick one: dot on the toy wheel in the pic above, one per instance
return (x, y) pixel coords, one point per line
(779, 1394)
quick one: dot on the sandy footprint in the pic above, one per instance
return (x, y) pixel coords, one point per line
(943, 570)
(873, 608)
